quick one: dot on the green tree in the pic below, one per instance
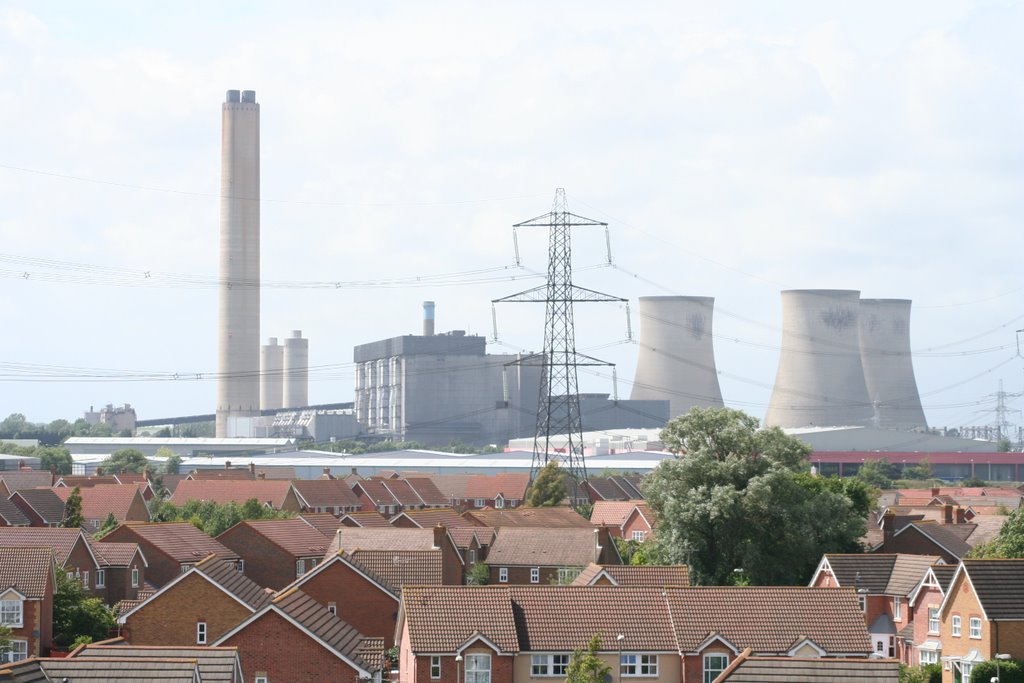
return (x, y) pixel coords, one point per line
(127, 459)
(75, 614)
(54, 458)
(931, 673)
(109, 524)
(73, 518)
(586, 667)
(5, 639)
(1008, 543)
(736, 500)
(1010, 671)
(478, 575)
(1004, 445)
(922, 470)
(974, 482)
(13, 425)
(861, 495)
(878, 473)
(172, 461)
(548, 488)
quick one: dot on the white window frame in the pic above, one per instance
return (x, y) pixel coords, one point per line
(201, 633)
(638, 535)
(478, 668)
(18, 651)
(956, 626)
(567, 574)
(933, 620)
(710, 673)
(472, 556)
(534, 574)
(502, 574)
(479, 502)
(101, 578)
(499, 503)
(435, 667)
(332, 607)
(966, 669)
(85, 578)
(261, 679)
(300, 568)
(12, 613)
(926, 657)
(550, 665)
(637, 664)
(897, 608)
(974, 627)
(135, 577)
(862, 601)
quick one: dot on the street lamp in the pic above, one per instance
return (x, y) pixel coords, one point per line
(618, 641)
(458, 668)
(999, 657)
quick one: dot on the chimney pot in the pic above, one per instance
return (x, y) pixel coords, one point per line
(439, 533)
(961, 515)
(252, 468)
(99, 471)
(227, 464)
(947, 514)
(935, 492)
(261, 475)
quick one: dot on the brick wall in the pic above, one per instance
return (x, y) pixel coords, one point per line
(915, 543)
(273, 647)
(265, 562)
(359, 602)
(170, 618)
(963, 603)
(119, 582)
(521, 575)
(162, 567)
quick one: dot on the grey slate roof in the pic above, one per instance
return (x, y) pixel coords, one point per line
(794, 670)
(881, 573)
(128, 670)
(225, 575)
(535, 546)
(944, 574)
(45, 502)
(215, 663)
(942, 535)
(12, 514)
(999, 585)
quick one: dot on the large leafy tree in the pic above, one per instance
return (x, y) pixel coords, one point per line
(54, 458)
(1008, 543)
(75, 614)
(736, 505)
(548, 487)
(127, 459)
(73, 518)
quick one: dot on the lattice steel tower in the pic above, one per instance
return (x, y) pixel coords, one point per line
(558, 410)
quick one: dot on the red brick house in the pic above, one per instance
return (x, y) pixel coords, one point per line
(922, 644)
(27, 584)
(275, 552)
(42, 507)
(326, 495)
(629, 519)
(431, 543)
(276, 494)
(71, 551)
(196, 608)
(391, 496)
(296, 639)
(122, 570)
(525, 555)
(496, 491)
(11, 515)
(125, 501)
(883, 584)
(171, 548)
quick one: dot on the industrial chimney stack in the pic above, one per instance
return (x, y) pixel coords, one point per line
(271, 375)
(428, 318)
(676, 361)
(888, 366)
(238, 347)
(296, 371)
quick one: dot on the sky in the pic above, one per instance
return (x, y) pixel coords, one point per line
(735, 149)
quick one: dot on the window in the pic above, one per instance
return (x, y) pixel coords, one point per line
(503, 575)
(261, 678)
(186, 567)
(499, 503)
(714, 664)
(479, 502)
(863, 602)
(640, 665)
(966, 669)
(314, 562)
(332, 607)
(472, 556)
(534, 574)
(549, 665)
(929, 657)
(933, 620)
(135, 577)
(18, 652)
(955, 621)
(300, 568)
(85, 578)
(879, 646)
(11, 612)
(201, 633)
(897, 607)
(70, 575)
(639, 536)
(435, 667)
(478, 669)
(567, 574)
(975, 627)
(101, 578)
(240, 566)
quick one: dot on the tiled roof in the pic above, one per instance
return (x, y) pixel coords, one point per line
(61, 540)
(428, 518)
(368, 518)
(215, 663)
(324, 522)
(606, 489)
(441, 619)
(942, 535)
(277, 472)
(376, 491)
(25, 569)
(883, 573)
(171, 481)
(25, 671)
(316, 493)
(396, 568)
(292, 535)
(132, 478)
(46, 503)
(746, 669)
(226, 575)
(612, 512)
(944, 574)
(553, 618)
(988, 527)
(155, 670)
(15, 480)
(11, 514)
(769, 619)
(125, 606)
(511, 486)
(113, 554)
(391, 538)
(550, 518)
(71, 481)
(999, 585)
(179, 540)
(646, 575)
(452, 485)
(100, 500)
(427, 491)
(328, 627)
(544, 547)
(264, 491)
(464, 535)
(222, 474)
(404, 493)
(631, 485)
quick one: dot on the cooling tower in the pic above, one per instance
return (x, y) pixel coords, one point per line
(238, 347)
(888, 367)
(271, 375)
(820, 380)
(296, 371)
(676, 361)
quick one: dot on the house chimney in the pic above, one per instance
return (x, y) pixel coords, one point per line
(602, 540)
(227, 464)
(23, 465)
(252, 469)
(355, 472)
(327, 474)
(947, 514)
(99, 471)
(261, 475)
(935, 492)
(961, 515)
(439, 533)
(888, 529)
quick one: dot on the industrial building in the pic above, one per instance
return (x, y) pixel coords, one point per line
(676, 361)
(435, 388)
(888, 365)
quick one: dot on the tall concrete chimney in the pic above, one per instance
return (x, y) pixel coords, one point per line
(238, 347)
(888, 366)
(676, 360)
(296, 371)
(820, 380)
(271, 375)
(428, 318)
